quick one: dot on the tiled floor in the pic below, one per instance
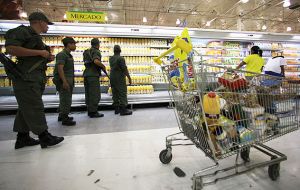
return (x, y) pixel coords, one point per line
(126, 158)
(154, 118)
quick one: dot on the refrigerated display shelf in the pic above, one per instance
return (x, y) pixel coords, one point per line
(105, 46)
(78, 100)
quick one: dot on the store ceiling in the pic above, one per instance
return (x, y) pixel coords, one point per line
(223, 14)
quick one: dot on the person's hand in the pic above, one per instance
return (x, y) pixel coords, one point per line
(45, 54)
(51, 58)
(66, 86)
(103, 67)
(130, 81)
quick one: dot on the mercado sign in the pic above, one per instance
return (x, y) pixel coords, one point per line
(85, 16)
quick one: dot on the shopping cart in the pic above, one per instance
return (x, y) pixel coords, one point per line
(251, 113)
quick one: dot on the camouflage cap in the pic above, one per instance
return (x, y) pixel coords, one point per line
(39, 16)
(117, 49)
(68, 40)
(95, 41)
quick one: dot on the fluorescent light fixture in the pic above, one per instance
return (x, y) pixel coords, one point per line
(208, 23)
(286, 3)
(194, 13)
(105, 18)
(264, 27)
(65, 16)
(178, 21)
(288, 28)
(296, 37)
(23, 14)
(244, 1)
(47, 3)
(243, 35)
(144, 19)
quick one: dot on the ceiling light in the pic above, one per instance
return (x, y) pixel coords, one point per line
(244, 1)
(23, 14)
(65, 16)
(178, 21)
(299, 19)
(194, 13)
(105, 18)
(144, 19)
(208, 23)
(47, 3)
(288, 29)
(264, 27)
(286, 3)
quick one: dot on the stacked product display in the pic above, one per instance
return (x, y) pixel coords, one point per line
(231, 53)
(138, 54)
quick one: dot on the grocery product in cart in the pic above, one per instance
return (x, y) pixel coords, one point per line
(225, 115)
(232, 81)
(211, 105)
(181, 72)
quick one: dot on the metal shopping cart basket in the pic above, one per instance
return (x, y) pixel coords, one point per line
(251, 112)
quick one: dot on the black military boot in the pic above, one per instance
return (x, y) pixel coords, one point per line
(60, 118)
(66, 121)
(23, 139)
(117, 109)
(124, 111)
(95, 114)
(46, 139)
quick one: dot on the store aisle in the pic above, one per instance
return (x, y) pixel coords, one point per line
(150, 118)
(128, 161)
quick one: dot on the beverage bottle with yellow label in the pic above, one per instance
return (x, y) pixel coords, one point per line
(211, 105)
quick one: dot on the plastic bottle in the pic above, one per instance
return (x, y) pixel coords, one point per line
(211, 105)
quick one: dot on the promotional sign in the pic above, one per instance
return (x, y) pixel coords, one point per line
(86, 16)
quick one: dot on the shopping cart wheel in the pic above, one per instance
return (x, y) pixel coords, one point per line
(245, 154)
(197, 184)
(165, 156)
(274, 170)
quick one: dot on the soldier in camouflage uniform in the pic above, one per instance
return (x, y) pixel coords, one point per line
(92, 72)
(64, 80)
(118, 74)
(26, 43)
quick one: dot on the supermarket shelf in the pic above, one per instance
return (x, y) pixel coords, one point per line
(223, 48)
(124, 55)
(79, 89)
(110, 46)
(81, 74)
(239, 49)
(53, 65)
(220, 56)
(153, 46)
(51, 101)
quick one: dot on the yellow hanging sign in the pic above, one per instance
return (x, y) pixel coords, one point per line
(86, 16)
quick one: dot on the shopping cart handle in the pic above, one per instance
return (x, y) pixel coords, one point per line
(230, 70)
